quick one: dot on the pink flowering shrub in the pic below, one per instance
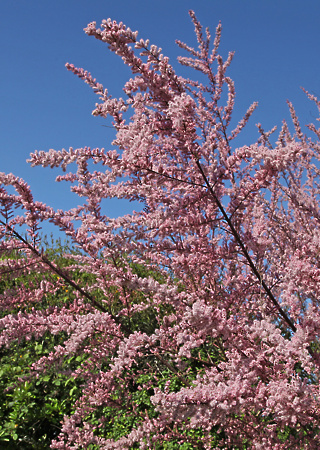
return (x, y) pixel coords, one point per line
(199, 315)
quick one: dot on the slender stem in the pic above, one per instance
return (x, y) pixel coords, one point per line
(245, 251)
(63, 275)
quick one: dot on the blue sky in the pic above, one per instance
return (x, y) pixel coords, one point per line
(44, 106)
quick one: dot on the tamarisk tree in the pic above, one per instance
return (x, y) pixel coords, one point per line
(199, 315)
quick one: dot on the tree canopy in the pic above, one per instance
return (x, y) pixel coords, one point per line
(193, 323)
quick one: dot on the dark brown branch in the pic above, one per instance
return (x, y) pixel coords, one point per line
(245, 251)
(63, 275)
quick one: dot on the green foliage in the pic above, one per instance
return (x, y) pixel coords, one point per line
(33, 407)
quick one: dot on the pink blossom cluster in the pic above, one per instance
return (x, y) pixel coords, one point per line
(229, 239)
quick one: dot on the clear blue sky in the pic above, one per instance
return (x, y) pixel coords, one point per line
(44, 106)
